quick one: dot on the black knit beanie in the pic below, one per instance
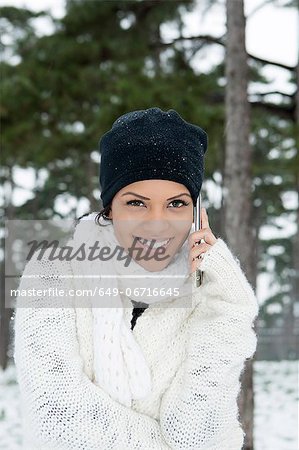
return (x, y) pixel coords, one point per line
(151, 144)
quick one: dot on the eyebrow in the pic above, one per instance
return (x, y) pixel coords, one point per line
(146, 198)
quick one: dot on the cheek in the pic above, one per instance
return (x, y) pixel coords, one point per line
(182, 228)
(181, 237)
(123, 234)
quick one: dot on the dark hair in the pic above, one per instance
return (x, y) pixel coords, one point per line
(103, 213)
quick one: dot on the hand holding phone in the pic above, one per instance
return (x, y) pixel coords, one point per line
(198, 273)
(203, 236)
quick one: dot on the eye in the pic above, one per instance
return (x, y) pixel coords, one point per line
(181, 201)
(133, 202)
(130, 202)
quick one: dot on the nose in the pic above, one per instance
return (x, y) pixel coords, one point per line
(156, 223)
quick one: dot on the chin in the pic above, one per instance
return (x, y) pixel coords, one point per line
(154, 266)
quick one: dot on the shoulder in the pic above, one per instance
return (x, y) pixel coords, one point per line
(45, 280)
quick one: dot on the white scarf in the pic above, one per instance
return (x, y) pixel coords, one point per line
(119, 365)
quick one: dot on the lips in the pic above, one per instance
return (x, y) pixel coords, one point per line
(154, 243)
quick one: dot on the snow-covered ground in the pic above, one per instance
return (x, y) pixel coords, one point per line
(10, 423)
(276, 387)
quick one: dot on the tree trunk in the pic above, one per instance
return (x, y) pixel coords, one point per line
(91, 178)
(237, 178)
(5, 312)
(291, 324)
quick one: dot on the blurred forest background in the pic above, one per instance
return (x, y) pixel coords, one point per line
(61, 91)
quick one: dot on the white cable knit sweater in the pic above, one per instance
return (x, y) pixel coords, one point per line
(196, 356)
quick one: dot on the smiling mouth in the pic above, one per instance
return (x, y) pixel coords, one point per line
(153, 243)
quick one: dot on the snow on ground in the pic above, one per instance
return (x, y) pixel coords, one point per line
(275, 416)
(10, 423)
(276, 388)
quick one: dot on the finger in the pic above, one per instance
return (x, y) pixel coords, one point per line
(204, 219)
(196, 236)
(201, 214)
(195, 265)
(197, 251)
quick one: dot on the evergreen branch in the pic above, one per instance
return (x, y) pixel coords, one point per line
(221, 41)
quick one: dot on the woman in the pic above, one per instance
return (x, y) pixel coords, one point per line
(90, 375)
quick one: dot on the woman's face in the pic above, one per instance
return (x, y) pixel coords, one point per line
(158, 210)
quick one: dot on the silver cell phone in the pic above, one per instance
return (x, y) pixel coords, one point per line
(198, 273)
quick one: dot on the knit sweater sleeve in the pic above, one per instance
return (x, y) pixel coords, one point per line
(61, 407)
(199, 410)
